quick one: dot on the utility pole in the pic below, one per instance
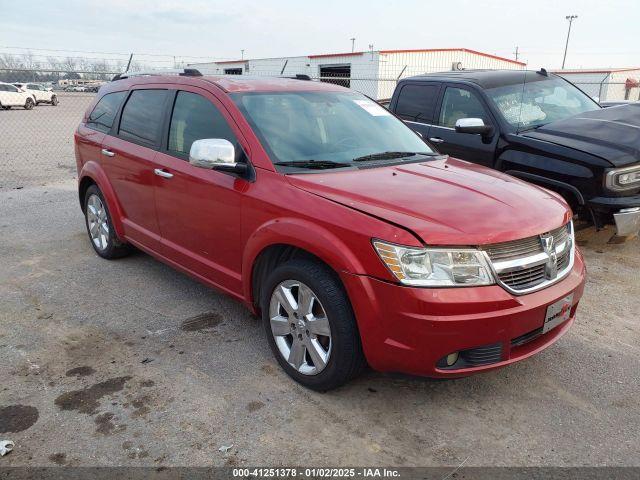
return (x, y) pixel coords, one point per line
(571, 18)
(516, 54)
(353, 44)
(242, 54)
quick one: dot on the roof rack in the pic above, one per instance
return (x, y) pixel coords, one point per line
(183, 72)
(300, 76)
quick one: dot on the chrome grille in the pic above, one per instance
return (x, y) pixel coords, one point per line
(526, 265)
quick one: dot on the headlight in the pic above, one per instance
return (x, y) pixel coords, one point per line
(435, 267)
(623, 178)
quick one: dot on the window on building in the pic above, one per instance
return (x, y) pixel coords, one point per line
(101, 118)
(142, 116)
(194, 118)
(337, 74)
(233, 71)
(416, 102)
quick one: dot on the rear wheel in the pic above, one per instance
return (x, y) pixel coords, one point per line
(100, 226)
(29, 103)
(310, 325)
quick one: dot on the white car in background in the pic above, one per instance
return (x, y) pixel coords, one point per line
(40, 93)
(11, 96)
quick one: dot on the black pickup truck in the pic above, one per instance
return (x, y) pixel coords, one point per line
(535, 126)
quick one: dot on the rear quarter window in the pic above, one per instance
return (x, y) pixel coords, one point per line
(103, 114)
(142, 116)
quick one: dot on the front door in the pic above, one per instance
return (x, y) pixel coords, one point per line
(199, 210)
(460, 102)
(128, 160)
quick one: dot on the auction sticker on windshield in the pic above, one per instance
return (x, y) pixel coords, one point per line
(372, 108)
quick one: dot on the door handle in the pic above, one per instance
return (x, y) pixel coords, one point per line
(108, 153)
(436, 140)
(162, 173)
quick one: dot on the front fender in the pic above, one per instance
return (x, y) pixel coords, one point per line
(302, 234)
(96, 173)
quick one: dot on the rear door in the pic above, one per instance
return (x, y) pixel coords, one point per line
(460, 101)
(199, 210)
(415, 104)
(128, 156)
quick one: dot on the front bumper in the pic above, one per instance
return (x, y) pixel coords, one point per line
(409, 330)
(624, 211)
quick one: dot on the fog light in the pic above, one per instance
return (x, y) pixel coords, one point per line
(452, 358)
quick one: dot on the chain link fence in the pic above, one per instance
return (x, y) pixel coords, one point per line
(36, 145)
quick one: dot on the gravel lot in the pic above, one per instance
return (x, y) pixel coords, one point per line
(37, 145)
(131, 363)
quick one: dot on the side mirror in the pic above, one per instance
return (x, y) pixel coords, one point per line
(474, 126)
(215, 154)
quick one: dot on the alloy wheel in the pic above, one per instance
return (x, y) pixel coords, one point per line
(97, 222)
(300, 327)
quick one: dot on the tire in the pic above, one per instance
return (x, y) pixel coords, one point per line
(54, 100)
(28, 104)
(7, 107)
(341, 349)
(100, 229)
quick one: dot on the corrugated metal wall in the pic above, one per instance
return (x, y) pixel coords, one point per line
(373, 73)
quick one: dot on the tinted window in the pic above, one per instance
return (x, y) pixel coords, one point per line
(142, 116)
(105, 111)
(194, 118)
(459, 103)
(416, 102)
(32, 86)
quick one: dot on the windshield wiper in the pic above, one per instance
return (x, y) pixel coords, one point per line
(312, 164)
(390, 156)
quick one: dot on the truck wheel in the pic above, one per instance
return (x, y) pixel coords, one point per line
(54, 100)
(28, 104)
(310, 325)
(100, 227)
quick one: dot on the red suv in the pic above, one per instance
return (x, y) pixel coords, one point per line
(350, 235)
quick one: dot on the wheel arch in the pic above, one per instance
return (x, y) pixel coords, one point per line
(93, 174)
(283, 239)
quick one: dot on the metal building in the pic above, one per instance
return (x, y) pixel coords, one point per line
(607, 83)
(373, 73)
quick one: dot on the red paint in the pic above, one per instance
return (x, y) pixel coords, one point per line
(475, 52)
(213, 226)
(329, 55)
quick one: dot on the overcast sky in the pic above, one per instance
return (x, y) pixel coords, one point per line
(605, 34)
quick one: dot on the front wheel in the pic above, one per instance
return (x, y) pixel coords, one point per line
(310, 325)
(28, 104)
(54, 100)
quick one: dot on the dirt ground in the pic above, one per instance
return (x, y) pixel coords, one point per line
(131, 363)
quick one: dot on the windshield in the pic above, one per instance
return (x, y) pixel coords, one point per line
(540, 100)
(330, 128)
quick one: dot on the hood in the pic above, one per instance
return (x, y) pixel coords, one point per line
(444, 201)
(609, 133)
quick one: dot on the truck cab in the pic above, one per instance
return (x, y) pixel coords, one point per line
(535, 126)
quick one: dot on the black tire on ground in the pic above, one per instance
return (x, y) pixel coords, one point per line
(114, 248)
(29, 103)
(346, 360)
(54, 100)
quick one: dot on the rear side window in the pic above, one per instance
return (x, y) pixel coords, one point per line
(416, 102)
(101, 118)
(142, 116)
(194, 118)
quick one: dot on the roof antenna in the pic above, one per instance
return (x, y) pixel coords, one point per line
(543, 71)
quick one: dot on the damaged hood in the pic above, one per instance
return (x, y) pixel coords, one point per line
(612, 134)
(444, 201)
